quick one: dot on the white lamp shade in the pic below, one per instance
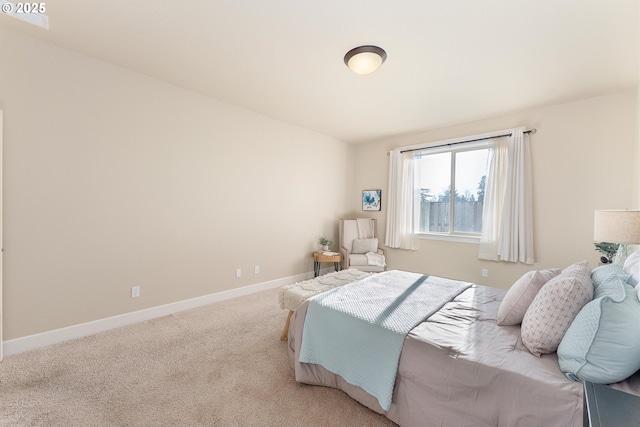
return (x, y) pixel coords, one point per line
(365, 59)
(365, 63)
(617, 227)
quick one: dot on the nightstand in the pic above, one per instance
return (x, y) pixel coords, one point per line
(320, 257)
(607, 407)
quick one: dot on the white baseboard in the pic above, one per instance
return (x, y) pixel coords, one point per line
(31, 342)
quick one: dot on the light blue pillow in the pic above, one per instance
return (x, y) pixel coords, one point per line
(602, 345)
(602, 273)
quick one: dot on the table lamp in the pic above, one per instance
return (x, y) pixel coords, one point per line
(622, 227)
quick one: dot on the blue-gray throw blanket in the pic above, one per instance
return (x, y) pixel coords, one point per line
(357, 331)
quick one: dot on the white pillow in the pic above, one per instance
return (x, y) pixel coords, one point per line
(521, 294)
(362, 246)
(632, 266)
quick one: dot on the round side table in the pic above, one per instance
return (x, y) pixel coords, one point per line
(320, 257)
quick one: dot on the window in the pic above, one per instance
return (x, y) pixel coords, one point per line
(451, 183)
(491, 171)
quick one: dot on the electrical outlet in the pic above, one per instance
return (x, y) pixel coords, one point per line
(238, 272)
(256, 269)
(485, 272)
(135, 291)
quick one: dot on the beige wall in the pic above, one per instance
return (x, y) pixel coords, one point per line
(113, 179)
(582, 159)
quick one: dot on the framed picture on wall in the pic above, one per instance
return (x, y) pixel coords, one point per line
(371, 200)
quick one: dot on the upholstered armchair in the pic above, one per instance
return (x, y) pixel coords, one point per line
(358, 245)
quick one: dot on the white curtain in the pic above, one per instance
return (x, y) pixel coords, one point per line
(493, 199)
(507, 230)
(400, 202)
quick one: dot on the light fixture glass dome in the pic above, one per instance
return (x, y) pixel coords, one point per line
(365, 59)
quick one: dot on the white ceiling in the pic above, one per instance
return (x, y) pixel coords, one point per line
(449, 61)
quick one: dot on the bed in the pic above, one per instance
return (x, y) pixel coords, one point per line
(459, 368)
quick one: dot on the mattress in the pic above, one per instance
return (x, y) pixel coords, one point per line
(458, 368)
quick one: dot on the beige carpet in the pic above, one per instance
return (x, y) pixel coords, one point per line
(219, 365)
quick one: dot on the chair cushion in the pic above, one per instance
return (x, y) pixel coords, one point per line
(521, 294)
(602, 344)
(554, 308)
(362, 246)
(358, 259)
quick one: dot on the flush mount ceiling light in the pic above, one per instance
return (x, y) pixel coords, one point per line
(365, 59)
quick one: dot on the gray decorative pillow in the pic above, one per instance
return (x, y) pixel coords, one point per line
(554, 308)
(362, 246)
(521, 294)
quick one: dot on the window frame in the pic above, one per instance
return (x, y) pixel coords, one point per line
(452, 236)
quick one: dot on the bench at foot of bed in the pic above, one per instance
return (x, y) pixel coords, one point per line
(285, 331)
(291, 296)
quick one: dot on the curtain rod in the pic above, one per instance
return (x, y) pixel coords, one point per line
(532, 131)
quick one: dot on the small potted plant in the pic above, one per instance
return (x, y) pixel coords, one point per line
(608, 250)
(325, 243)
